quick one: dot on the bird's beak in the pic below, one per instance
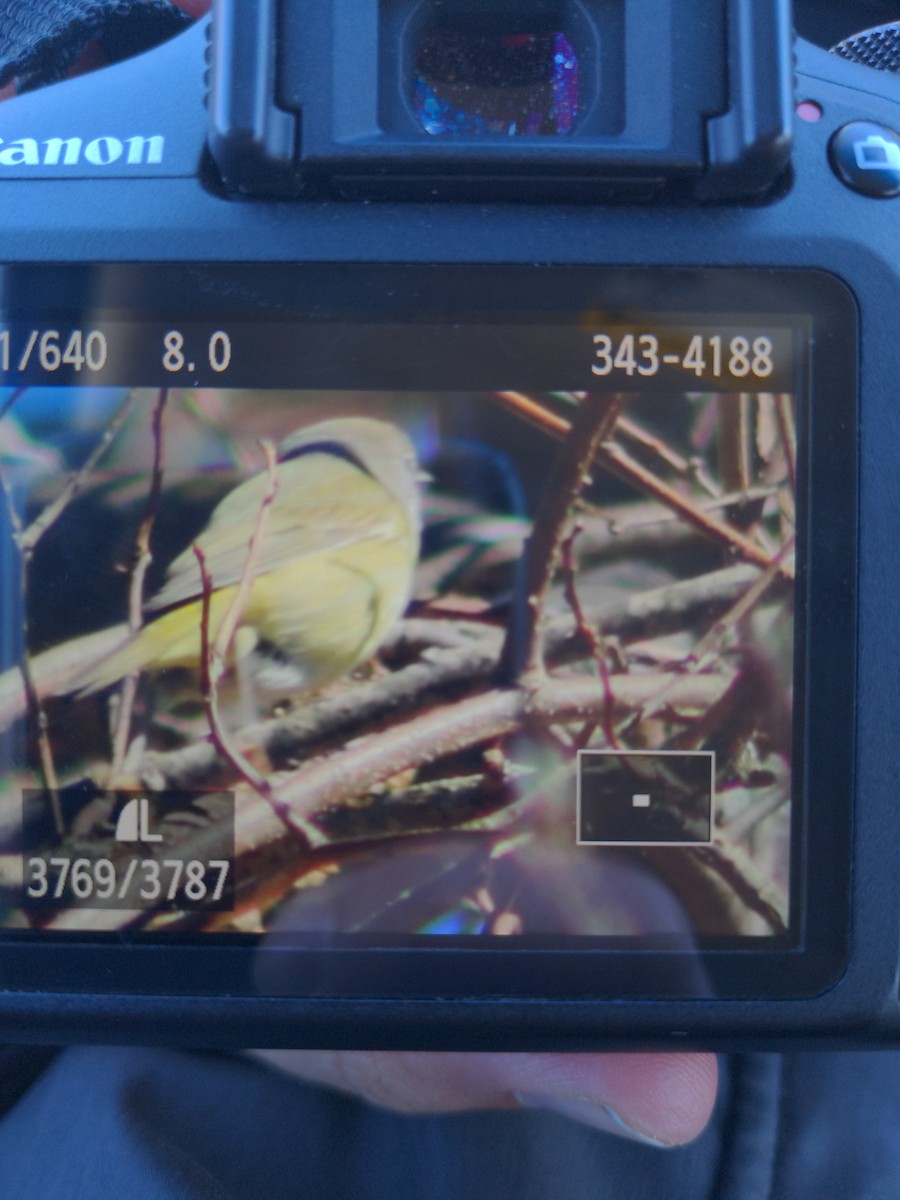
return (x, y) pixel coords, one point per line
(424, 477)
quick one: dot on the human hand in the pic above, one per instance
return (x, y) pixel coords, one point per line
(659, 1099)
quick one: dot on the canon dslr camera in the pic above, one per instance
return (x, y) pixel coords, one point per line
(448, 533)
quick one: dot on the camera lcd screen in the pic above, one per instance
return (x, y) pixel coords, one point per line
(342, 627)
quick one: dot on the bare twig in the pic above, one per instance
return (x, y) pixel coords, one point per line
(716, 634)
(232, 619)
(545, 419)
(214, 655)
(423, 808)
(590, 632)
(143, 557)
(655, 445)
(33, 703)
(745, 880)
(735, 441)
(13, 398)
(208, 687)
(622, 464)
(536, 414)
(35, 706)
(647, 515)
(594, 420)
(76, 481)
(784, 409)
(243, 768)
(710, 643)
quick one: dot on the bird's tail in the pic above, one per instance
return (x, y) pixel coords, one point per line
(59, 670)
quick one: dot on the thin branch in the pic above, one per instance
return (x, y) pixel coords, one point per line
(594, 420)
(735, 442)
(746, 881)
(214, 654)
(536, 414)
(232, 619)
(648, 515)
(221, 740)
(35, 706)
(143, 557)
(622, 464)
(710, 644)
(590, 632)
(76, 481)
(322, 789)
(13, 398)
(543, 418)
(208, 687)
(656, 446)
(33, 703)
(714, 637)
(784, 409)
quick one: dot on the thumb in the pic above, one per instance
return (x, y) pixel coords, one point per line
(661, 1099)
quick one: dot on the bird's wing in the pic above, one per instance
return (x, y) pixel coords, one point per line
(299, 525)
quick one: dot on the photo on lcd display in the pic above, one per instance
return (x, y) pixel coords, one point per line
(417, 663)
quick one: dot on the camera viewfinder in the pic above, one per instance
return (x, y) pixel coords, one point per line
(495, 79)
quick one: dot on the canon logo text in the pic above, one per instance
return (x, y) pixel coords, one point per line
(75, 151)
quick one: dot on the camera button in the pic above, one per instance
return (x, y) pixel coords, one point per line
(866, 157)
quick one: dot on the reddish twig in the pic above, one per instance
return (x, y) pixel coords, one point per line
(214, 654)
(621, 463)
(536, 414)
(241, 765)
(232, 619)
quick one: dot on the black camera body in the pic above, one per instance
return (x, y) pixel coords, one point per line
(624, 773)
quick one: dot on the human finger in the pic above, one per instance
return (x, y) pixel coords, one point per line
(663, 1099)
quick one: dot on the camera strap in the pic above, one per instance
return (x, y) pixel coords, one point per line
(40, 42)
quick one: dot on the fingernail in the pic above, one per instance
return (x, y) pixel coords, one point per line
(598, 1116)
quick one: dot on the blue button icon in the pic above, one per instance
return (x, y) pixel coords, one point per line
(866, 157)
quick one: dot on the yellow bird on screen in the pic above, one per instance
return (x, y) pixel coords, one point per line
(333, 574)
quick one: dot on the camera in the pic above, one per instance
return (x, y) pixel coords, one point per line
(448, 540)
